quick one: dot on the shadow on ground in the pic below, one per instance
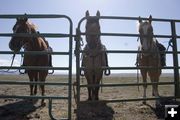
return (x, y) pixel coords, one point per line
(95, 111)
(17, 110)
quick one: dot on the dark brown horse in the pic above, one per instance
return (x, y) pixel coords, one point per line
(94, 57)
(150, 56)
(31, 44)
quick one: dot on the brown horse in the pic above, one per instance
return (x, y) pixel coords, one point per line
(94, 57)
(31, 44)
(149, 56)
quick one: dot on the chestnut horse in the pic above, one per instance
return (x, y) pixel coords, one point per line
(30, 43)
(94, 56)
(149, 56)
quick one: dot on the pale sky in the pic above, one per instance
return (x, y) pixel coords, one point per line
(75, 9)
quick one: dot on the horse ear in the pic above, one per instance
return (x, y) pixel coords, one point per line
(140, 20)
(87, 13)
(150, 19)
(98, 14)
(25, 17)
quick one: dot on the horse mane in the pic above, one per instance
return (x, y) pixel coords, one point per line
(32, 26)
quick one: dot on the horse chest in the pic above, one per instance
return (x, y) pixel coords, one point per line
(92, 61)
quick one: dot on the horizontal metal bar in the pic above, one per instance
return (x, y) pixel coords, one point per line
(129, 100)
(8, 16)
(35, 52)
(55, 35)
(135, 51)
(127, 84)
(33, 97)
(124, 35)
(35, 68)
(137, 18)
(32, 83)
(127, 18)
(135, 68)
(131, 51)
(52, 35)
(81, 51)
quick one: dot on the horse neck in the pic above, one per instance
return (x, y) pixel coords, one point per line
(36, 44)
(153, 49)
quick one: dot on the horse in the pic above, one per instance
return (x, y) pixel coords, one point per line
(30, 43)
(94, 56)
(149, 56)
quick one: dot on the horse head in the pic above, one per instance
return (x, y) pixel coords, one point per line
(21, 26)
(93, 30)
(146, 33)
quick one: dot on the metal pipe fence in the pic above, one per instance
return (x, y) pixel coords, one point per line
(69, 35)
(174, 52)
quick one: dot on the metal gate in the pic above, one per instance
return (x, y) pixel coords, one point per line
(174, 52)
(68, 68)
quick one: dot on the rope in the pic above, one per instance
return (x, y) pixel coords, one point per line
(138, 78)
(8, 70)
(74, 91)
(169, 44)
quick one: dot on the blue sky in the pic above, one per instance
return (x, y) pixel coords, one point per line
(76, 9)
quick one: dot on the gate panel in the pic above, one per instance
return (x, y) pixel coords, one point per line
(175, 53)
(68, 68)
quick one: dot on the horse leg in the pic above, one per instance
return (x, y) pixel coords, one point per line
(35, 86)
(31, 77)
(144, 76)
(96, 92)
(98, 79)
(42, 77)
(89, 88)
(155, 79)
(89, 93)
(94, 88)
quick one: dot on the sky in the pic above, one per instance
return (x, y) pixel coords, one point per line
(75, 9)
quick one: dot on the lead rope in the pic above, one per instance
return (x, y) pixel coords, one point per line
(169, 44)
(10, 65)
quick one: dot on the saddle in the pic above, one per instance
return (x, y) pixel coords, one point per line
(162, 50)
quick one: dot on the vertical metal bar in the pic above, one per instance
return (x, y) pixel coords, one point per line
(77, 52)
(175, 60)
(70, 69)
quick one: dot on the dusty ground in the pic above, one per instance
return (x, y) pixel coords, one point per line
(24, 109)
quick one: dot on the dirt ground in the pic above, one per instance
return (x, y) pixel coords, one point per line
(25, 109)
